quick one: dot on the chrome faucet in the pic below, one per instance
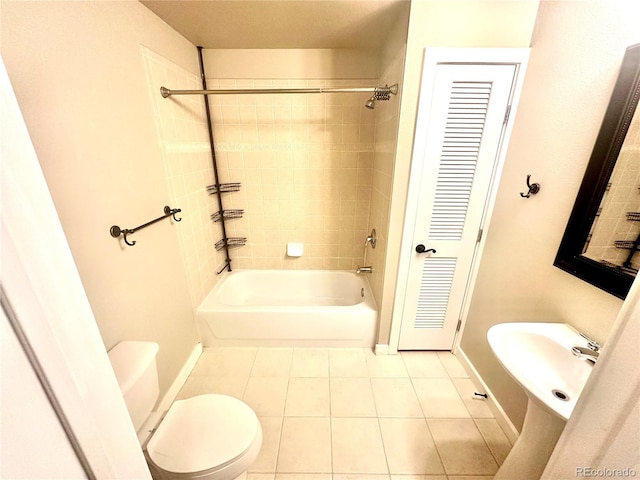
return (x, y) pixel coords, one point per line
(591, 352)
(586, 353)
(364, 270)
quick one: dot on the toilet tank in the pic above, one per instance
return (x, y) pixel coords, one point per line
(134, 364)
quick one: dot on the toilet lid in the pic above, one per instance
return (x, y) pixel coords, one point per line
(203, 432)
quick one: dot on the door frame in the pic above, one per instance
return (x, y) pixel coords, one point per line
(432, 58)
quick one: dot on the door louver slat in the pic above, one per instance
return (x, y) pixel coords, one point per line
(437, 277)
(466, 116)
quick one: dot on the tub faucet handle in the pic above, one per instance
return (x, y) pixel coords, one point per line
(364, 269)
(371, 239)
(592, 344)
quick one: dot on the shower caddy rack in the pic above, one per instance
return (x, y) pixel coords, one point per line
(632, 245)
(378, 93)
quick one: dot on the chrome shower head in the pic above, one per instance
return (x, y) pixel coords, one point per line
(381, 93)
(371, 103)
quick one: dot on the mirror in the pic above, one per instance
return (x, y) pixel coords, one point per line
(600, 244)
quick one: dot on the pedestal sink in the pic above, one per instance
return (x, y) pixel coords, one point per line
(538, 356)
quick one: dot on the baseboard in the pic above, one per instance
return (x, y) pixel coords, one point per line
(381, 349)
(495, 407)
(180, 380)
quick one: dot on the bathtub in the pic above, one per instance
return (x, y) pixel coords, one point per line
(289, 308)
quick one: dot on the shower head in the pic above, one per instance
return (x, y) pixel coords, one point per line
(381, 93)
(371, 103)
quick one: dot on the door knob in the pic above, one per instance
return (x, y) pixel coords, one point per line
(422, 249)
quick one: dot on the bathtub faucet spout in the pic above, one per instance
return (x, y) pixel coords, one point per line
(364, 270)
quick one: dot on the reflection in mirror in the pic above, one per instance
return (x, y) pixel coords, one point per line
(615, 234)
(601, 240)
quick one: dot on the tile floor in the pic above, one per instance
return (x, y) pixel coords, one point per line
(347, 414)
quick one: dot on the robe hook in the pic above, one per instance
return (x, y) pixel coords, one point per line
(533, 188)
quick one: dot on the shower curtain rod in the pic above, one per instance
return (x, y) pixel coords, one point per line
(381, 93)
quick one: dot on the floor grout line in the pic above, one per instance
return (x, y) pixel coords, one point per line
(375, 370)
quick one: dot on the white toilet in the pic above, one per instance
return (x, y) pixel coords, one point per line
(208, 437)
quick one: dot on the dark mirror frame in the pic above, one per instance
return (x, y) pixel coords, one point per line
(623, 104)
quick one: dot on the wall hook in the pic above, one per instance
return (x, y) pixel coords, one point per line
(168, 211)
(533, 188)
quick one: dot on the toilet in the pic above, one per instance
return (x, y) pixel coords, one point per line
(207, 437)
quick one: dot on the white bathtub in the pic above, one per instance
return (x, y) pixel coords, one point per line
(289, 308)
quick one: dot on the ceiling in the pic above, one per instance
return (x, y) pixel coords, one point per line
(273, 24)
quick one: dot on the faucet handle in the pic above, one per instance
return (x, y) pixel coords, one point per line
(592, 344)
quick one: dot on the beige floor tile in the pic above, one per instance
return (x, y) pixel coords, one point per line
(409, 446)
(261, 476)
(451, 364)
(418, 477)
(225, 361)
(310, 362)
(360, 476)
(356, 446)
(191, 388)
(266, 396)
(462, 448)
(352, 397)
(308, 397)
(303, 476)
(305, 446)
(385, 365)
(476, 405)
(268, 456)
(347, 362)
(395, 397)
(272, 362)
(232, 386)
(424, 364)
(471, 477)
(439, 398)
(496, 439)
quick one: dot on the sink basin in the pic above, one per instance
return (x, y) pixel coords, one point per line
(538, 356)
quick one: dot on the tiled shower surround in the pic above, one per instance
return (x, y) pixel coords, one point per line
(305, 163)
(314, 168)
(182, 134)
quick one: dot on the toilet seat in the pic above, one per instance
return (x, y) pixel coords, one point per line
(202, 434)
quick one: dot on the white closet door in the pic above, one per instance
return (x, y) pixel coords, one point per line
(458, 144)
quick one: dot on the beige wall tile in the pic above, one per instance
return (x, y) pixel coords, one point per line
(294, 130)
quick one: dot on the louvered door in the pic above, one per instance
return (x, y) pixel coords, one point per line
(458, 144)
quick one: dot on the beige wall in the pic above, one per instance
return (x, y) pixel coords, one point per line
(304, 160)
(80, 81)
(576, 52)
